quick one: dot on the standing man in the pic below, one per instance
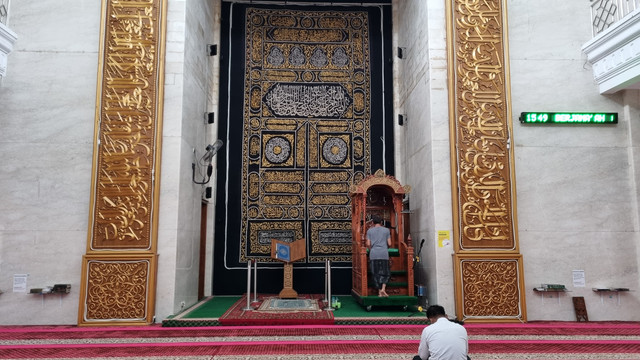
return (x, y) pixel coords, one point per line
(378, 242)
(443, 339)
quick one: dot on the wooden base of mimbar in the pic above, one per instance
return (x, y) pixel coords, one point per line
(287, 291)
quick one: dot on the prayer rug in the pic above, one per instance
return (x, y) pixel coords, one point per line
(288, 305)
(271, 310)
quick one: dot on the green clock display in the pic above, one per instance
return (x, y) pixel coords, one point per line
(568, 118)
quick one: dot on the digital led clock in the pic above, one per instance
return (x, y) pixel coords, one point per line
(568, 118)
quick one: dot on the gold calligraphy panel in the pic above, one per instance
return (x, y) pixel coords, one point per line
(128, 122)
(481, 126)
(493, 288)
(306, 126)
(488, 285)
(118, 277)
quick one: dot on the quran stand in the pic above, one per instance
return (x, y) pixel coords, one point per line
(288, 252)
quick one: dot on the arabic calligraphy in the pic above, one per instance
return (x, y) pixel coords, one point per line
(482, 132)
(127, 128)
(308, 100)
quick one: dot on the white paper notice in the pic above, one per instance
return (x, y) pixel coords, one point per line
(20, 282)
(578, 278)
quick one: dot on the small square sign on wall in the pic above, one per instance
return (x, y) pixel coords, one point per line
(20, 283)
(578, 278)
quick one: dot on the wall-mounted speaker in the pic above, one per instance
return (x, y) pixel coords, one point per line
(401, 52)
(213, 49)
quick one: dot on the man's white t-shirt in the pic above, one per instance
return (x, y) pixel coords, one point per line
(444, 340)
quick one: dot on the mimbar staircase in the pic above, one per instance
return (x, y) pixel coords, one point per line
(381, 195)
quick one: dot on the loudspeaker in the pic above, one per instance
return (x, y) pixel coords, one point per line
(213, 49)
(400, 53)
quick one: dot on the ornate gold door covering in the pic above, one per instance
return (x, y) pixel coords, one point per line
(119, 269)
(307, 128)
(488, 267)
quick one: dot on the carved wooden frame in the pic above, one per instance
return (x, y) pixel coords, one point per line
(118, 289)
(492, 287)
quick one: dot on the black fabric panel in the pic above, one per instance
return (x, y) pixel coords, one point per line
(229, 272)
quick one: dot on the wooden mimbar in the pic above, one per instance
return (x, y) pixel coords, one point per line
(382, 195)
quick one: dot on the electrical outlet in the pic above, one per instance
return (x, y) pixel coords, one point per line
(182, 304)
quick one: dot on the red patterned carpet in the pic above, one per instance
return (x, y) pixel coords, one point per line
(548, 340)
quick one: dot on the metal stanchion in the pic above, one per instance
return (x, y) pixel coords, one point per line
(327, 272)
(248, 286)
(325, 282)
(255, 280)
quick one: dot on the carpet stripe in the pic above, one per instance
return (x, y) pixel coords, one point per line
(333, 342)
(310, 342)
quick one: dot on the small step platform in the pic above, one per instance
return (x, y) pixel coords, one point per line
(368, 302)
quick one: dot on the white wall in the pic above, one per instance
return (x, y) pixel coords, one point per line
(47, 111)
(188, 95)
(577, 197)
(424, 139)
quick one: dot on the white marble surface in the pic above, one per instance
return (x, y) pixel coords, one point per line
(47, 109)
(576, 191)
(423, 98)
(195, 134)
(576, 186)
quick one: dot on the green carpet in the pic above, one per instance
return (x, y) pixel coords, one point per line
(350, 308)
(207, 312)
(212, 308)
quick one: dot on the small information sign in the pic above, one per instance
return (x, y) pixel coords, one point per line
(20, 283)
(578, 278)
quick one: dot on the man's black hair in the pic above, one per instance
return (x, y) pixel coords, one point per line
(376, 219)
(435, 311)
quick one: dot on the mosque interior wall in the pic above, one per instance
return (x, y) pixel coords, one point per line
(424, 143)
(47, 110)
(577, 194)
(577, 203)
(185, 136)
